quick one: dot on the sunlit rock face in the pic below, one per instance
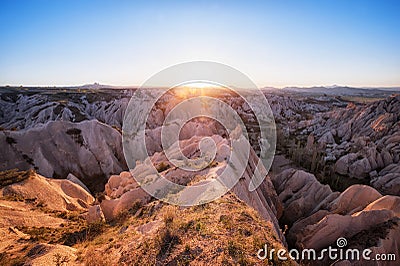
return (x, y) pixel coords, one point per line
(165, 109)
(52, 194)
(90, 150)
(30, 203)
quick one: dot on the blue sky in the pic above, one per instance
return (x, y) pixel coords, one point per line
(276, 43)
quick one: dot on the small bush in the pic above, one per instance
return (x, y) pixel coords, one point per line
(60, 260)
(28, 159)
(168, 235)
(167, 240)
(88, 233)
(10, 140)
(161, 167)
(169, 215)
(75, 133)
(236, 252)
(225, 219)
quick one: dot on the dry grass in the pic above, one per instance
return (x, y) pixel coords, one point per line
(360, 99)
(11, 260)
(124, 215)
(224, 232)
(96, 257)
(69, 234)
(12, 176)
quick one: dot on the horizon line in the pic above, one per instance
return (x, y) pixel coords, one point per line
(260, 87)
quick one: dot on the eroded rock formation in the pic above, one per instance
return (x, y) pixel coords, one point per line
(90, 150)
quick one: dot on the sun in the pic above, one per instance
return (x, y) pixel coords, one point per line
(197, 88)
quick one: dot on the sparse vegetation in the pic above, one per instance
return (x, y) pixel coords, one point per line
(124, 215)
(310, 158)
(85, 233)
(117, 128)
(161, 167)
(74, 131)
(10, 140)
(60, 260)
(12, 176)
(96, 257)
(11, 259)
(28, 159)
(225, 231)
(76, 135)
(75, 232)
(235, 251)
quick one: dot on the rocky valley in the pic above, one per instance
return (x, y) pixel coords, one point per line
(67, 196)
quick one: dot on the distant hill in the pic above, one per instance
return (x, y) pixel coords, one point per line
(92, 86)
(343, 90)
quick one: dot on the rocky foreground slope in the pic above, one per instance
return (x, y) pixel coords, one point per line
(43, 222)
(35, 209)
